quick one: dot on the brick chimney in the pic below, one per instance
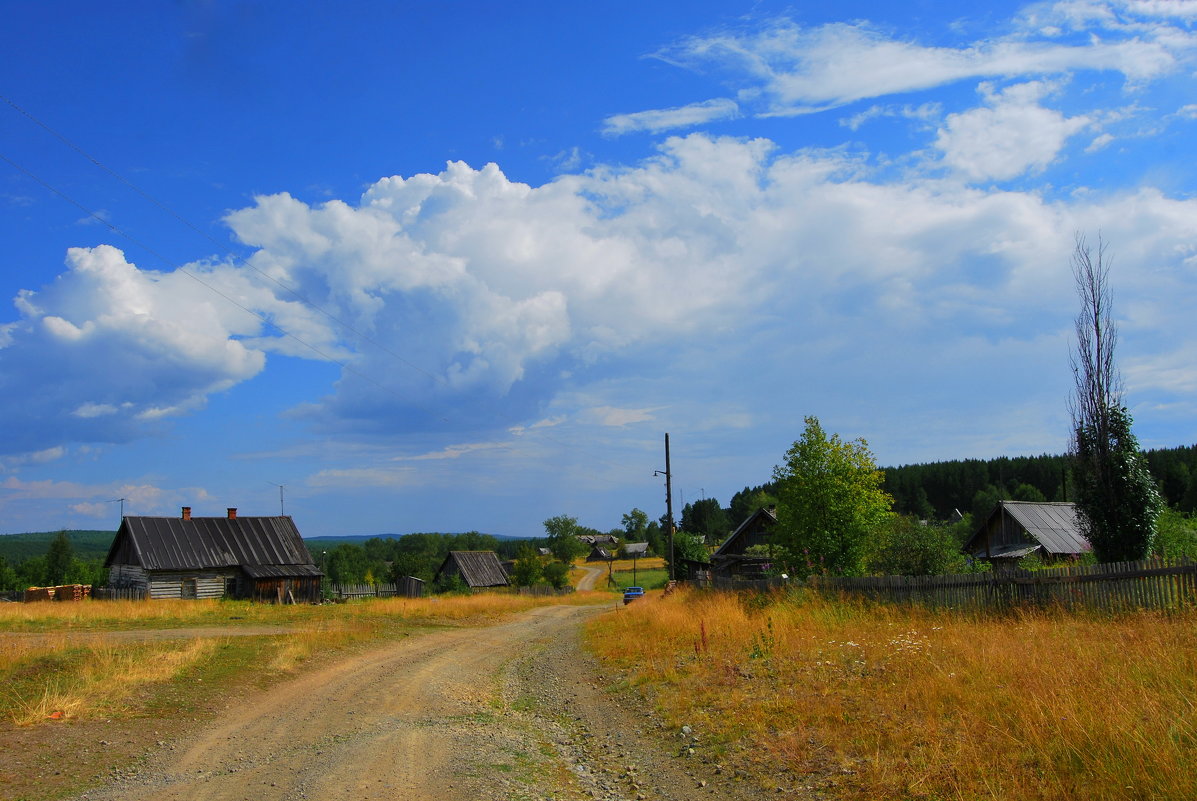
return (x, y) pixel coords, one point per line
(232, 512)
(186, 512)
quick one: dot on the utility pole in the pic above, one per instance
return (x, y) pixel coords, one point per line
(668, 506)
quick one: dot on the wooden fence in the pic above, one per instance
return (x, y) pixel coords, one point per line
(120, 593)
(1150, 584)
(408, 587)
(706, 580)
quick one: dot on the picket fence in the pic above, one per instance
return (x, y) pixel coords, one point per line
(1161, 584)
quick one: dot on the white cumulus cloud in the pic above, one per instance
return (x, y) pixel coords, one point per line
(1011, 135)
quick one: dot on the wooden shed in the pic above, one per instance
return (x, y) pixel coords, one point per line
(478, 569)
(262, 558)
(731, 558)
(1015, 529)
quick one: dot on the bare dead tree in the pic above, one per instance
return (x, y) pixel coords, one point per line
(1115, 495)
(1098, 385)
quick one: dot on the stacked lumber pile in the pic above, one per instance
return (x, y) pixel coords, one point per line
(65, 592)
(72, 592)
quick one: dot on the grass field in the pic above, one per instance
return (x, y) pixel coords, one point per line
(648, 578)
(894, 702)
(76, 660)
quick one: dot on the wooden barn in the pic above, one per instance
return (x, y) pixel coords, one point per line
(1015, 529)
(599, 554)
(732, 559)
(635, 550)
(478, 569)
(262, 558)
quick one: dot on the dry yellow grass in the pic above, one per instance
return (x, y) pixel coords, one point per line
(75, 660)
(895, 702)
(51, 678)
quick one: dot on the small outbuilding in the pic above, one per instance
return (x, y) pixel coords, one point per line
(1015, 529)
(635, 550)
(732, 558)
(261, 558)
(599, 554)
(478, 569)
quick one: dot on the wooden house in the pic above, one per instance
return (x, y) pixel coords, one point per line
(599, 554)
(732, 558)
(478, 569)
(262, 558)
(1015, 529)
(635, 550)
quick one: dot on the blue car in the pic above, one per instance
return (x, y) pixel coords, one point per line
(632, 593)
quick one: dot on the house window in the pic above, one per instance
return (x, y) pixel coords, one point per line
(188, 589)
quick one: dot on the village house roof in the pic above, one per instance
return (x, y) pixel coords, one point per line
(747, 533)
(1016, 528)
(262, 546)
(635, 549)
(599, 554)
(476, 568)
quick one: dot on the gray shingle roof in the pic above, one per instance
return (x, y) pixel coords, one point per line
(1053, 525)
(477, 568)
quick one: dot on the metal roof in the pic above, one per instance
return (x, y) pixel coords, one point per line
(477, 568)
(1053, 525)
(635, 549)
(175, 543)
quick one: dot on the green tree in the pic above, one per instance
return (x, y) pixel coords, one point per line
(562, 532)
(528, 568)
(635, 523)
(8, 576)
(1176, 535)
(905, 546)
(58, 559)
(830, 499)
(557, 574)
(1116, 496)
(687, 547)
(657, 542)
(707, 519)
(1027, 492)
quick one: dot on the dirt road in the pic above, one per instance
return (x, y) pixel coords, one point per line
(502, 712)
(593, 574)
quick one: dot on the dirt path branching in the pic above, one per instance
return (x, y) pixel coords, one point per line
(514, 710)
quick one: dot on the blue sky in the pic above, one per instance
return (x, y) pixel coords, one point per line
(450, 266)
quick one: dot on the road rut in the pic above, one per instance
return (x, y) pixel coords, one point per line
(508, 711)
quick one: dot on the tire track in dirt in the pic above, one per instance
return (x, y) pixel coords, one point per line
(510, 711)
(375, 726)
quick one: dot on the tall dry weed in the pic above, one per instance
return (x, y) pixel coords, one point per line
(55, 679)
(886, 701)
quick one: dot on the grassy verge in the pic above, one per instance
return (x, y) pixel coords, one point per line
(896, 702)
(649, 579)
(74, 660)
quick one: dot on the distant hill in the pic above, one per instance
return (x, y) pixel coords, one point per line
(357, 539)
(87, 544)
